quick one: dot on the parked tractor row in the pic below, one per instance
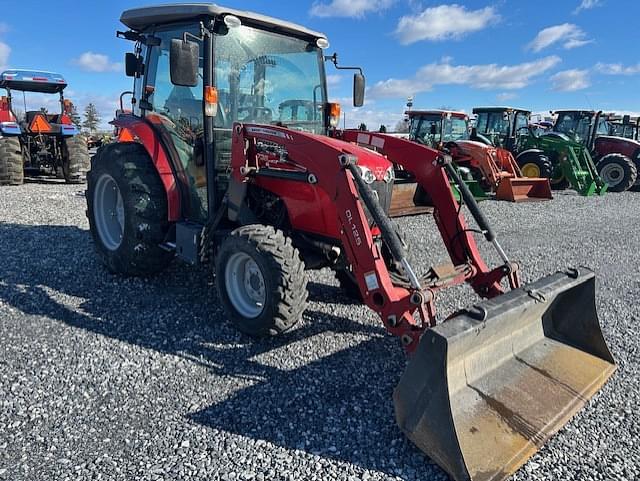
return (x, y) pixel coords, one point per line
(210, 168)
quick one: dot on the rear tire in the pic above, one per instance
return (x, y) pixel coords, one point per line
(618, 171)
(261, 280)
(127, 210)
(11, 161)
(75, 160)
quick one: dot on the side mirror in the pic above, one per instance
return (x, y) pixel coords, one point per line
(626, 120)
(358, 90)
(433, 130)
(132, 65)
(183, 62)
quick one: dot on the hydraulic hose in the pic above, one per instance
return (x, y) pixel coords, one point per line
(474, 208)
(381, 219)
(471, 202)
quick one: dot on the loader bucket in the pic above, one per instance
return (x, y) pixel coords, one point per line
(523, 189)
(406, 199)
(487, 388)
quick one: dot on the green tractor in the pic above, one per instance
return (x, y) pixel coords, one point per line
(539, 154)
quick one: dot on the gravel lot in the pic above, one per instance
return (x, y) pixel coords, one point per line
(109, 378)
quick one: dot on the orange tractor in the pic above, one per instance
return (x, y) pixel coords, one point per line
(214, 173)
(493, 168)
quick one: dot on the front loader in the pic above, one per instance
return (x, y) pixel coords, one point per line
(539, 154)
(492, 169)
(263, 201)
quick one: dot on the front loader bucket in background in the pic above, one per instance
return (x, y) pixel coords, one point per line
(406, 200)
(523, 189)
(487, 388)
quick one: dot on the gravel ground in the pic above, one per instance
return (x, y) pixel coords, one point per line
(109, 378)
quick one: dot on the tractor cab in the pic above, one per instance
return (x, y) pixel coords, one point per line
(624, 126)
(435, 128)
(582, 126)
(502, 126)
(199, 69)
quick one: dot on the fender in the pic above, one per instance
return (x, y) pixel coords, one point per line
(142, 131)
(530, 151)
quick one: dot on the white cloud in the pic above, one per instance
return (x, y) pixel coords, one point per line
(372, 118)
(348, 8)
(334, 79)
(504, 96)
(5, 51)
(487, 76)
(570, 80)
(587, 5)
(570, 35)
(96, 62)
(617, 69)
(444, 22)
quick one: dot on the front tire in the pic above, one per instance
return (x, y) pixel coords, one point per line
(535, 166)
(618, 171)
(127, 210)
(75, 160)
(261, 280)
(11, 161)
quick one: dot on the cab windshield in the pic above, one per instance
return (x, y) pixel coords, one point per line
(432, 130)
(493, 124)
(575, 125)
(267, 78)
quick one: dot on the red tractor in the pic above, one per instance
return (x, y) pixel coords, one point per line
(617, 159)
(215, 174)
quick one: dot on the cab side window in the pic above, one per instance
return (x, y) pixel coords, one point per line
(178, 112)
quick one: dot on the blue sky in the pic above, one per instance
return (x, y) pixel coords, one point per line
(536, 54)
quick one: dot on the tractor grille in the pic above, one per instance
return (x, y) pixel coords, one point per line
(383, 193)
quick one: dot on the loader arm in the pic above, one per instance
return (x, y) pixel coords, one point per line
(427, 166)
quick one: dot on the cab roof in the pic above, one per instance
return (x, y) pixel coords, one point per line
(32, 81)
(415, 113)
(140, 19)
(499, 109)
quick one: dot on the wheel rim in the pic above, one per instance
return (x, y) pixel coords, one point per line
(530, 170)
(612, 174)
(245, 285)
(108, 212)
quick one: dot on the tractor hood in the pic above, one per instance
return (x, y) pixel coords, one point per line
(629, 145)
(471, 147)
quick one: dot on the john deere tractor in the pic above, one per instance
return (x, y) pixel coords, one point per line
(40, 142)
(617, 158)
(564, 161)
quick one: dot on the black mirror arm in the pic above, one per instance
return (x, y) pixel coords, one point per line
(334, 60)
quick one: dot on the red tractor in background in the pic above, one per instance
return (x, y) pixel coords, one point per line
(41, 142)
(494, 168)
(211, 175)
(617, 159)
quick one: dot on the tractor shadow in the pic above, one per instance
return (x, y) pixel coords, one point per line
(336, 406)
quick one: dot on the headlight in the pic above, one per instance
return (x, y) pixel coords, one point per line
(389, 175)
(366, 174)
